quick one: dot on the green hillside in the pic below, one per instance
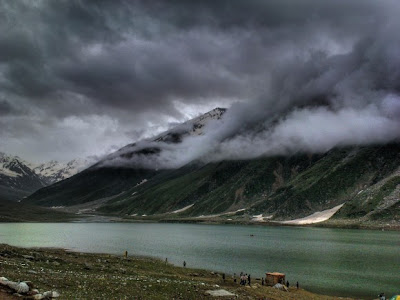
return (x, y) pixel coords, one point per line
(11, 211)
(89, 185)
(365, 178)
(283, 187)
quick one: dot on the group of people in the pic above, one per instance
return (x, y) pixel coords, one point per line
(288, 283)
(245, 279)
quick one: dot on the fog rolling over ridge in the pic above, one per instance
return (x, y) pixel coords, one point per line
(313, 103)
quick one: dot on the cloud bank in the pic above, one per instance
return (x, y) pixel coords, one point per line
(85, 77)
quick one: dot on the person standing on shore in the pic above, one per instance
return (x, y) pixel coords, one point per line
(297, 285)
(287, 284)
(184, 264)
(262, 281)
(249, 279)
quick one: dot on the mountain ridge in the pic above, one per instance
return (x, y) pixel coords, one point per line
(280, 187)
(19, 178)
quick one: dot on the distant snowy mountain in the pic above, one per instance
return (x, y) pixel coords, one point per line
(16, 178)
(54, 171)
(115, 173)
(19, 178)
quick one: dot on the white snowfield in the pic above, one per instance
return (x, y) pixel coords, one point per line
(316, 217)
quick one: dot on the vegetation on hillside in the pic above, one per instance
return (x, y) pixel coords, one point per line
(20, 212)
(283, 187)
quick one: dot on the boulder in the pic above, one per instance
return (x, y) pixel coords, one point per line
(30, 284)
(3, 280)
(19, 287)
(280, 287)
(220, 293)
(50, 294)
(30, 257)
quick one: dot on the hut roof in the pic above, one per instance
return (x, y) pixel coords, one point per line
(276, 274)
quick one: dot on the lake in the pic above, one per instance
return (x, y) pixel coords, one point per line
(340, 262)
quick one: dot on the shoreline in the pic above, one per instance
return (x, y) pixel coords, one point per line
(338, 224)
(94, 275)
(331, 223)
(26, 214)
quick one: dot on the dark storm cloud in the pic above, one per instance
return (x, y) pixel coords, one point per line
(128, 63)
(137, 54)
(6, 108)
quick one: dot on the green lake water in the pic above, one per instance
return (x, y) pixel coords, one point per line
(342, 262)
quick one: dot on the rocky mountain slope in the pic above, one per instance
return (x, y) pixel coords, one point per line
(19, 178)
(103, 180)
(54, 171)
(365, 179)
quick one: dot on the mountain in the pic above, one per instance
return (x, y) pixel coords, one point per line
(104, 180)
(366, 180)
(193, 127)
(17, 180)
(176, 135)
(54, 171)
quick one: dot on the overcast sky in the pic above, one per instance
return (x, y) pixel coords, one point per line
(80, 78)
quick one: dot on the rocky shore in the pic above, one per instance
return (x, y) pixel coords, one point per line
(25, 290)
(72, 275)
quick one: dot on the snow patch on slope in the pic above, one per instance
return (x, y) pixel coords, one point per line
(316, 217)
(182, 209)
(7, 172)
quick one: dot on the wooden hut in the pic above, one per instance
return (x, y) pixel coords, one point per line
(273, 278)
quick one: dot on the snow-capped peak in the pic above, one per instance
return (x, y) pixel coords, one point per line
(50, 172)
(193, 127)
(11, 166)
(55, 171)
